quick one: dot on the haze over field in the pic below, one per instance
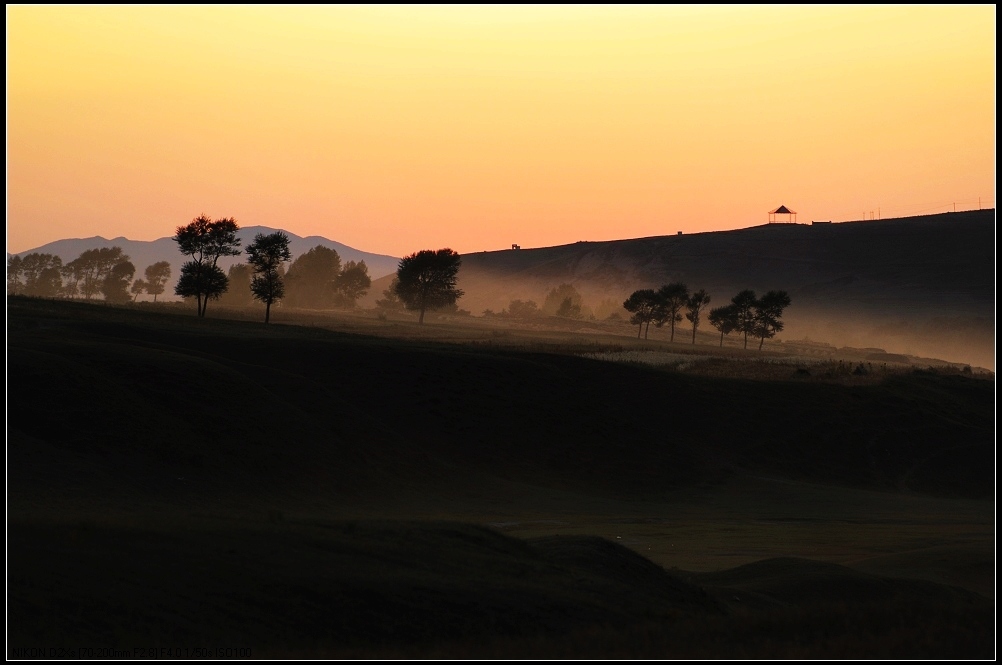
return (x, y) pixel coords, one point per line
(400, 128)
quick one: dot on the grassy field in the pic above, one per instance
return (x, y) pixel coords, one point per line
(338, 485)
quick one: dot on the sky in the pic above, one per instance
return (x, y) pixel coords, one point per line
(393, 129)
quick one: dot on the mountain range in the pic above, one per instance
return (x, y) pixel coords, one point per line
(143, 253)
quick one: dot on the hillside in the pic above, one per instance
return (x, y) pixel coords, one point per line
(921, 285)
(301, 490)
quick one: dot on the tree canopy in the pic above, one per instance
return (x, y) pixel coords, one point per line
(427, 279)
(694, 308)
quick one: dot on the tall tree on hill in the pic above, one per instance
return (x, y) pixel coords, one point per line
(671, 300)
(156, 278)
(724, 319)
(768, 312)
(744, 304)
(694, 307)
(352, 283)
(311, 279)
(115, 286)
(266, 255)
(427, 279)
(642, 304)
(205, 241)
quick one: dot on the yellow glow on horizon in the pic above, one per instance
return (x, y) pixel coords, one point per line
(396, 128)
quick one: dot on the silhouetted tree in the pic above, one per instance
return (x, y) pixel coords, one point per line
(671, 300)
(427, 280)
(694, 307)
(15, 274)
(724, 319)
(352, 283)
(569, 309)
(156, 278)
(205, 241)
(115, 286)
(91, 268)
(310, 280)
(641, 304)
(138, 287)
(768, 311)
(266, 255)
(201, 281)
(744, 304)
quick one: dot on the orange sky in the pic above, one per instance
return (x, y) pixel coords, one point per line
(398, 128)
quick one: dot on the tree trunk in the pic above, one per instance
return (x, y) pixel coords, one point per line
(761, 343)
(672, 328)
(721, 339)
(640, 329)
(693, 334)
(154, 297)
(647, 329)
(267, 311)
(421, 316)
(746, 340)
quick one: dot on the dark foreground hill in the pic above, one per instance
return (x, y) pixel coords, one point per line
(206, 484)
(923, 285)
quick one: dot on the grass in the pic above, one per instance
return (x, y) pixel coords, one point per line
(356, 488)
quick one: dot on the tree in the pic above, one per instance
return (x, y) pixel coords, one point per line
(310, 280)
(205, 241)
(42, 274)
(239, 293)
(15, 274)
(641, 304)
(768, 310)
(427, 279)
(156, 278)
(523, 309)
(90, 269)
(694, 306)
(724, 319)
(201, 281)
(556, 303)
(744, 304)
(115, 286)
(266, 255)
(138, 286)
(390, 300)
(671, 300)
(352, 283)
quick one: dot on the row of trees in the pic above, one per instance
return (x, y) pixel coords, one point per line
(747, 314)
(106, 271)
